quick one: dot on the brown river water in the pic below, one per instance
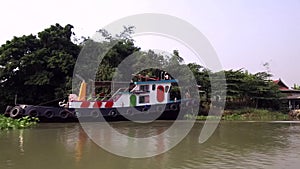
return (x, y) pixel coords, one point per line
(233, 145)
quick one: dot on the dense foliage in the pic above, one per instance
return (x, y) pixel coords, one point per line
(243, 89)
(251, 90)
(37, 68)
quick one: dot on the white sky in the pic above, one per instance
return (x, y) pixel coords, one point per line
(244, 33)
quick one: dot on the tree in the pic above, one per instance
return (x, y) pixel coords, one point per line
(201, 75)
(37, 68)
(251, 90)
(123, 46)
(296, 87)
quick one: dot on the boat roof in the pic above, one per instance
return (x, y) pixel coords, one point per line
(109, 83)
(156, 82)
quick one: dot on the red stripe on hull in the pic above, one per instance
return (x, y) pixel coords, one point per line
(109, 104)
(97, 104)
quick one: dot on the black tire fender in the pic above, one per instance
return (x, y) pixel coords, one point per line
(49, 114)
(173, 107)
(33, 113)
(95, 113)
(15, 112)
(7, 110)
(129, 112)
(145, 110)
(159, 109)
(64, 114)
(112, 113)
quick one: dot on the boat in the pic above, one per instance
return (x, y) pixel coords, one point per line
(145, 99)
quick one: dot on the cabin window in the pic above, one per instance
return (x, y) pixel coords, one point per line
(170, 88)
(153, 87)
(144, 99)
(144, 88)
(167, 89)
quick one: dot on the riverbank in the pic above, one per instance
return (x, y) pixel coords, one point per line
(10, 123)
(246, 114)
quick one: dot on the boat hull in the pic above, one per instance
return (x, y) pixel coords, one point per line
(170, 111)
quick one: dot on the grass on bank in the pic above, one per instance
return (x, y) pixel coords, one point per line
(10, 123)
(247, 114)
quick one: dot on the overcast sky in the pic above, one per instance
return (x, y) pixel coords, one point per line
(244, 33)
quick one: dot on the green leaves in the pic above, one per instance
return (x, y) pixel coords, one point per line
(24, 122)
(254, 90)
(39, 78)
(36, 68)
(245, 114)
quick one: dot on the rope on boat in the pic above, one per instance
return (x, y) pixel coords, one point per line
(43, 103)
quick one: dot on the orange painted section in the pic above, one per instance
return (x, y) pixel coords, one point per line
(85, 104)
(82, 92)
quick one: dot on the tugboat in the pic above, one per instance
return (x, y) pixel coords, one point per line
(144, 99)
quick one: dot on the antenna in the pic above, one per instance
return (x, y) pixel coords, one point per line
(80, 77)
(16, 97)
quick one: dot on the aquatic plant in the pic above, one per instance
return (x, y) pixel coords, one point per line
(246, 114)
(10, 123)
(257, 114)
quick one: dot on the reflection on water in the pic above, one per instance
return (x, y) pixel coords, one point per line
(233, 145)
(21, 145)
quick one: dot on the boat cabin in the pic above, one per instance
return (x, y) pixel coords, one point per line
(139, 93)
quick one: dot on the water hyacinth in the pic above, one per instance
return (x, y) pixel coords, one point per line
(10, 123)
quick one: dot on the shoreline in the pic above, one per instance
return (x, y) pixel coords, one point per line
(246, 114)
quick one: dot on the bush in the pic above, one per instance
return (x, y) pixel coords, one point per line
(10, 123)
(245, 114)
(259, 114)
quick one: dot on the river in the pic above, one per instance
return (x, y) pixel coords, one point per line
(233, 145)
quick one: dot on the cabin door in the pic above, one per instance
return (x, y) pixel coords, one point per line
(133, 100)
(160, 95)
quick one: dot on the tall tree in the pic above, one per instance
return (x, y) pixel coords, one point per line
(123, 46)
(37, 68)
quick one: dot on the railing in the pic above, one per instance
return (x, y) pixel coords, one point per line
(117, 95)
